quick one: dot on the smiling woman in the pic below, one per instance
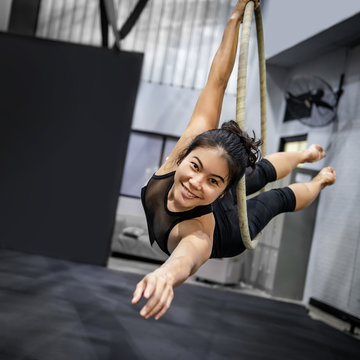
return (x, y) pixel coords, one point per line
(190, 202)
(199, 179)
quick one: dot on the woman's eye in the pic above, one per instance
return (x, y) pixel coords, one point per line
(213, 181)
(195, 166)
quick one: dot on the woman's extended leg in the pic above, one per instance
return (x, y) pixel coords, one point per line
(285, 162)
(306, 193)
(265, 206)
(278, 165)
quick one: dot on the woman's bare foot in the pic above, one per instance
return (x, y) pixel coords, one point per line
(306, 193)
(314, 153)
(326, 176)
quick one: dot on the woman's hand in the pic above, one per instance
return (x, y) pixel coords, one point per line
(241, 4)
(158, 288)
(188, 255)
(256, 2)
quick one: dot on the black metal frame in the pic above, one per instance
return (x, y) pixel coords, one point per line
(342, 315)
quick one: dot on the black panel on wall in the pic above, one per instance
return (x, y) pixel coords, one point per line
(65, 118)
(24, 16)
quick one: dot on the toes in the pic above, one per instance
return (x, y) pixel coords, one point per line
(321, 151)
(316, 152)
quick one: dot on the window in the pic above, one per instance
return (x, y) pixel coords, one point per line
(293, 143)
(146, 152)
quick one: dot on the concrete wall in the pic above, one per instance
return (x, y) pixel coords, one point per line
(332, 274)
(167, 109)
(335, 259)
(289, 22)
(329, 67)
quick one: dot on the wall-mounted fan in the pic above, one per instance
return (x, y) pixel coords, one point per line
(311, 100)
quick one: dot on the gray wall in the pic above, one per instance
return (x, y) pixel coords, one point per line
(301, 20)
(166, 109)
(333, 273)
(335, 261)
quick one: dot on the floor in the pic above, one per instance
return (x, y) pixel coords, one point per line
(143, 267)
(62, 310)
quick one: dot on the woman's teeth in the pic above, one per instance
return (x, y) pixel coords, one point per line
(188, 193)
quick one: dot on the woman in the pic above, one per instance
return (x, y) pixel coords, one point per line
(190, 202)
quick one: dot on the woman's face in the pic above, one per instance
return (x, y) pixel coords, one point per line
(200, 178)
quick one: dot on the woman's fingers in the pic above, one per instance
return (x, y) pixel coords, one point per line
(163, 304)
(165, 308)
(256, 3)
(143, 288)
(158, 291)
(155, 293)
(138, 292)
(150, 286)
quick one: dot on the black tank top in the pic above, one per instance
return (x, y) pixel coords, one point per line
(160, 220)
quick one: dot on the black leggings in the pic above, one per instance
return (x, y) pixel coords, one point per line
(260, 210)
(263, 207)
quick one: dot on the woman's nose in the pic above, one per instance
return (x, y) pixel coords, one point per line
(195, 182)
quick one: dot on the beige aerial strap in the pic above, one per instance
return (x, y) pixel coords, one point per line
(240, 105)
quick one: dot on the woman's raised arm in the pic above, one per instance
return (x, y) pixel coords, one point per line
(207, 111)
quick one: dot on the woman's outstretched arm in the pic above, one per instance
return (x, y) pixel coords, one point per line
(157, 287)
(206, 114)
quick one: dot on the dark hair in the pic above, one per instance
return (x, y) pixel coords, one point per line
(241, 150)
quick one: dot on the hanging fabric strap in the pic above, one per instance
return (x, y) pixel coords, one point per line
(108, 17)
(133, 18)
(240, 106)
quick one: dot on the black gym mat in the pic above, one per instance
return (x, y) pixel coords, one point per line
(66, 112)
(55, 309)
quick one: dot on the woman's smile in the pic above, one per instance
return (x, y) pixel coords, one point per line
(186, 193)
(200, 179)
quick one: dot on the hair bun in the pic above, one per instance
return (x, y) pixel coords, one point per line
(231, 126)
(251, 144)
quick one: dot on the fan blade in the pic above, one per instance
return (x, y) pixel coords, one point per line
(323, 104)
